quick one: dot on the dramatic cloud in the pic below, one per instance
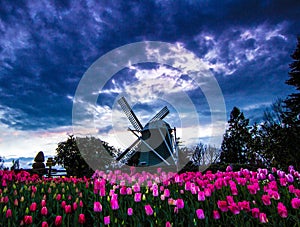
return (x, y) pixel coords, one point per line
(47, 46)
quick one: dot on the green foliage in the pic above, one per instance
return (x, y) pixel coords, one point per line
(275, 142)
(293, 100)
(80, 155)
(236, 139)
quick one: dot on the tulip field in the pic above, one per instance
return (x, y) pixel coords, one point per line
(267, 197)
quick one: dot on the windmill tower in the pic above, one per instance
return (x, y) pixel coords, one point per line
(156, 141)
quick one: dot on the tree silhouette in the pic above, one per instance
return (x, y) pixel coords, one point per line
(80, 155)
(236, 139)
(293, 100)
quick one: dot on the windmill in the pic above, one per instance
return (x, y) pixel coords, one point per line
(156, 141)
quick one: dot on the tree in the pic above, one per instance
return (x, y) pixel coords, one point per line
(293, 101)
(273, 139)
(80, 155)
(236, 139)
(204, 155)
(1, 163)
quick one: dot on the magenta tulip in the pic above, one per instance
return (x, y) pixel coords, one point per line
(97, 207)
(282, 211)
(81, 219)
(148, 210)
(106, 220)
(200, 214)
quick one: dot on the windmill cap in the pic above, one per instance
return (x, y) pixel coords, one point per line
(156, 124)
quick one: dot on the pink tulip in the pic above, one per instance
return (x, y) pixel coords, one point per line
(297, 193)
(266, 200)
(97, 207)
(68, 209)
(168, 224)
(289, 178)
(207, 192)
(44, 211)
(201, 196)
(8, 213)
(228, 169)
(58, 197)
(28, 219)
(280, 174)
(255, 212)
(283, 181)
(167, 192)
(180, 203)
(81, 219)
(155, 192)
(274, 195)
(176, 210)
(261, 176)
(45, 224)
(74, 206)
(282, 211)
(149, 210)
(137, 197)
(244, 205)
(58, 220)
(200, 214)
(80, 203)
(216, 215)
(106, 220)
(123, 190)
(33, 206)
(136, 187)
(63, 204)
(222, 205)
(263, 218)
(43, 203)
(230, 200)
(271, 177)
(234, 208)
(290, 168)
(102, 192)
(114, 204)
(234, 190)
(171, 201)
(129, 191)
(129, 211)
(252, 189)
(295, 202)
(291, 188)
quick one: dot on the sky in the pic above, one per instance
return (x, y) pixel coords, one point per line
(48, 47)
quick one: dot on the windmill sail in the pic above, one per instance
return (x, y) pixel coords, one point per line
(128, 149)
(160, 115)
(130, 114)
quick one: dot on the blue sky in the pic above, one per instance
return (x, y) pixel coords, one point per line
(47, 46)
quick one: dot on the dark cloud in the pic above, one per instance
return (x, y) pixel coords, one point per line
(46, 46)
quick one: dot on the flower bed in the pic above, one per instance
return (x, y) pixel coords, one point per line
(242, 198)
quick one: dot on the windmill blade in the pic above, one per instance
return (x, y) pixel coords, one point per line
(161, 114)
(127, 150)
(130, 114)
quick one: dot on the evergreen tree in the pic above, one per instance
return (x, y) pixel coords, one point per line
(292, 114)
(293, 101)
(236, 139)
